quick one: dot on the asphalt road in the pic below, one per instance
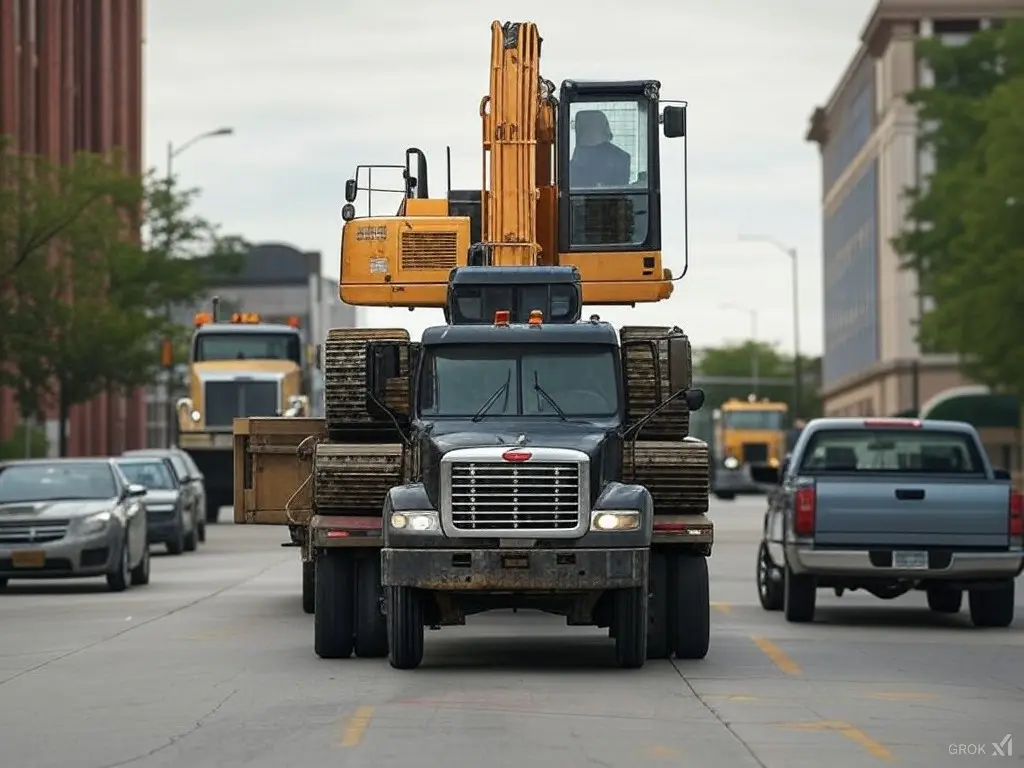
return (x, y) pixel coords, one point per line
(212, 665)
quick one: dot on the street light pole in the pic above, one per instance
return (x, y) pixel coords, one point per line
(791, 252)
(755, 348)
(173, 152)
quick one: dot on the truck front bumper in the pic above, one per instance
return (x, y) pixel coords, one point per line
(503, 570)
(879, 563)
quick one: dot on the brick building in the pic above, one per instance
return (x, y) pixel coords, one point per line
(71, 75)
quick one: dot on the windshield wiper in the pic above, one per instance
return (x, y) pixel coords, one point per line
(502, 390)
(550, 400)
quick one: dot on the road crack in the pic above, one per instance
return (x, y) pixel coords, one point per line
(176, 737)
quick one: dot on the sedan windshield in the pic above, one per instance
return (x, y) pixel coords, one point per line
(57, 481)
(511, 380)
(154, 475)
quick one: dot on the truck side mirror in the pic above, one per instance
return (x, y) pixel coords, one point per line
(351, 190)
(679, 365)
(383, 363)
(673, 121)
(694, 399)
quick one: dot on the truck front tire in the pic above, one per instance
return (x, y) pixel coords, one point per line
(334, 605)
(992, 607)
(691, 633)
(659, 626)
(371, 622)
(630, 617)
(799, 596)
(405, 628)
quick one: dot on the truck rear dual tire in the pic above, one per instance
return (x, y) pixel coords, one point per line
(404, 627)
(993, 607)
(334, 605)
(679, 606)
(371, 641)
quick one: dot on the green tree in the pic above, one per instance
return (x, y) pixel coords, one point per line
(965, 233)
(90, 316)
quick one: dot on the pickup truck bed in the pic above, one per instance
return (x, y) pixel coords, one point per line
(889, 506)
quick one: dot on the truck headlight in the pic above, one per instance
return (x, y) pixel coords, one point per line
(731, 462)
(614, 520)
(416, 522)
(95, 523)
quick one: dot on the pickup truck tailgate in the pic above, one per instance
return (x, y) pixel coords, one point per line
(912, 511)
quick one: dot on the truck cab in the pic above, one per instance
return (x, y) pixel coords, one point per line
(517, 499)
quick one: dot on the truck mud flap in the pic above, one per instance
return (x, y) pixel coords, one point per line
(272, 478)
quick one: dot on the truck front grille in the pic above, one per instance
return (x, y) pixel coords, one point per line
(755, 453)
(39, 532)
(224, 400)
(499, 496)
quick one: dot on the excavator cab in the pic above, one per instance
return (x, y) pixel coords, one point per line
(609, 187)
(476, 293)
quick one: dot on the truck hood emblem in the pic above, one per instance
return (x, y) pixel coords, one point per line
(517, 455)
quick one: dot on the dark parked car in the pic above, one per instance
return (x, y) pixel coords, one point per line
(173, 515)
(62, 518)
(187, 472)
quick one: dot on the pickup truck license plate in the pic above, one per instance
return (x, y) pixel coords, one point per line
(28, 559)
(917, 561)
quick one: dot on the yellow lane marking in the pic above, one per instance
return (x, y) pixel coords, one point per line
(777, 655)
(902, 696)
(722, 607)
(354, 728)
(856, 735)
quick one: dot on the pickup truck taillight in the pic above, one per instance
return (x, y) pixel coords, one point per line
(1016, 514)
(803, 512)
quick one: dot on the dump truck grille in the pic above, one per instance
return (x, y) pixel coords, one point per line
(429, 250)
(499, 496)
(223, 401)
(755, 453)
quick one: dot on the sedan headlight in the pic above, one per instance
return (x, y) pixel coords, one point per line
(731, 462)
(614, 520)
(416, 522)
(95, 523)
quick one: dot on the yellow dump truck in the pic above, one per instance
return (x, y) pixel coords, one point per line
(749, 438)
(243, 366)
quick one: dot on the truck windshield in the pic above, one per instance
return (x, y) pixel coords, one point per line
(458, 380)
(245, 345)
(892, 450)
(753, 419)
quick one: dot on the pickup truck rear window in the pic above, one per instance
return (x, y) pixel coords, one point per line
(891, 450)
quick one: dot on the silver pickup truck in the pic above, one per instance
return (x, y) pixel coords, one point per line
(891, 505)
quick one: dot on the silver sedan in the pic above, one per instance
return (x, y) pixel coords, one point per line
(62, 518)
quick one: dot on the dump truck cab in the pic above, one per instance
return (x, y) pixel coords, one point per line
(518, 432)
(750, 444)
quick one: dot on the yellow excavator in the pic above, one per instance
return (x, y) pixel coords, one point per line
(519, 456)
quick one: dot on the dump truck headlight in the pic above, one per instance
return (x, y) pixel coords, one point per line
(614, 520)
(731, 462)
(416, 522)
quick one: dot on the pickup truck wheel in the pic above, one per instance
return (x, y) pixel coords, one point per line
(992, 607)
(659, 628)
(308, 586)
(944, 599)
(334, 605)
(405, 628)
(630, 617)
(371, 622)
(769, 581)
(691, 629)
(799, 595)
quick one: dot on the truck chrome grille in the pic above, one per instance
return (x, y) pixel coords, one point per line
(41, 532)
(500, 496)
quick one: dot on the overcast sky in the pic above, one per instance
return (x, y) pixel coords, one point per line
(313, 87)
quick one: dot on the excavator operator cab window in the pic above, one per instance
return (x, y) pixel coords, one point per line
(608, 167)
(476, 304)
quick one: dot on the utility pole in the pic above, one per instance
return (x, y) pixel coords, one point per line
(166, 349)
(798, 373)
